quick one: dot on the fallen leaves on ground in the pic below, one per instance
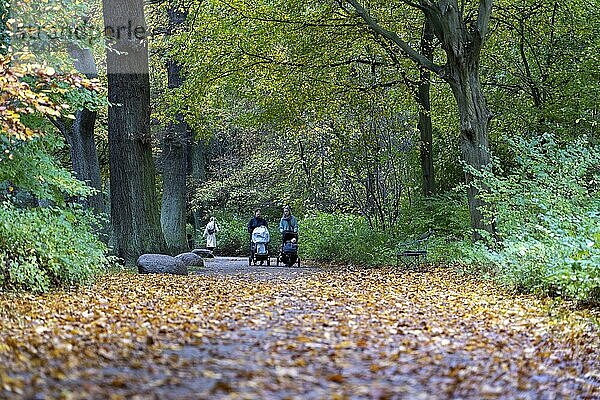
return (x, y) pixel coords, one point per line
(372, 334)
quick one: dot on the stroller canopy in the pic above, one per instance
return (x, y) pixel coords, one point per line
(261, 235)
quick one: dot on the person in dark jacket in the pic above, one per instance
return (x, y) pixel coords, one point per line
(253, 224)
(256, 221)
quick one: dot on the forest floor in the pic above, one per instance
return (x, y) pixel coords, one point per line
(238, 332)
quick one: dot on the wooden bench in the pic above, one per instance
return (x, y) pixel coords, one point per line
(413, 253)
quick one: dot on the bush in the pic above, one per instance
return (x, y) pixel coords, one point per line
(447, 214)
(41, 248)
(547, 211)
(347, 238)
(323, 237)
(344, 238)
(45, 240)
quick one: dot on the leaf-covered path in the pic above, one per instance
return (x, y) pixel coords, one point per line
(231, 332)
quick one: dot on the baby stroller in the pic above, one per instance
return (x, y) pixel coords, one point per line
(259, 249)
(288, 254)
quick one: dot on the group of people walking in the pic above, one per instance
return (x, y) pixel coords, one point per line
(288, 223)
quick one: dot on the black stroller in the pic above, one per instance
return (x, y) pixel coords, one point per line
(288, 254)
(259, 246)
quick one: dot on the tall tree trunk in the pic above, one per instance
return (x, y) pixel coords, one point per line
(134, 207)
(197, 154)
(425, 127)
(474, 122)
(463, 44)
(462, 41)
(80, 136)
(84, 158)
(174, 171)
(174, 160)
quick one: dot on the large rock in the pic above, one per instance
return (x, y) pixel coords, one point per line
(160, 264)
(204, 253)
(191, 260)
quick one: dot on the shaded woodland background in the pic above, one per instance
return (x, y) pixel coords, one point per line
(374, 121)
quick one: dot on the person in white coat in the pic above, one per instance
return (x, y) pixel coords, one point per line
(210, 233)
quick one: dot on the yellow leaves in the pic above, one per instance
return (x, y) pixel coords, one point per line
(18, 98)
(371, 334)
(346, 344)
(303, 339)
(40, 330)
(11, 384)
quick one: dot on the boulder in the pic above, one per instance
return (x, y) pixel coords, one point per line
(160, 264)
(191, 259)
(204, 253)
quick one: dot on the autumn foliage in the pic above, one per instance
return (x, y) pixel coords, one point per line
(338, 334)
(53, 245)
(27, 90)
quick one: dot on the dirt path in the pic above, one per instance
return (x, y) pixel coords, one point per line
(238, 332)
(239, 266)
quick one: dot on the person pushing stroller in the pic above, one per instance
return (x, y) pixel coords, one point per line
(288, 222)
(259, 239)
(288, 227)
(256, 221)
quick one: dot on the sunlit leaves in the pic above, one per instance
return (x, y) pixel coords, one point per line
(27, 90)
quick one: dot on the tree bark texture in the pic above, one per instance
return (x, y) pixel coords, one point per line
(462, 44)
(463, 47)
(197, 153)
(425, 126)
(84, 158)
(174, 160)
(80, 136)
(474, 145)
(174, 171)
(134, 207)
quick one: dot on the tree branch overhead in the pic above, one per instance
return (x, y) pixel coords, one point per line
(392, 36)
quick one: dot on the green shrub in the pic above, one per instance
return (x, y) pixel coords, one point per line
(547, 213)
(41, 248)
(324, 237)
(347, 238)
(344, 238)
(447, 214)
